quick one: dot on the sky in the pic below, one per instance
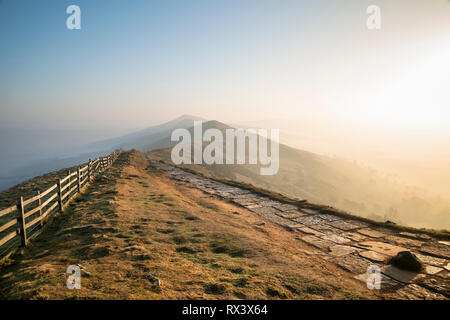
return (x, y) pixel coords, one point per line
(313, 67)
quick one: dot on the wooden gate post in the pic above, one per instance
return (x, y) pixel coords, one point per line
(21, 218)
(38, 193)
(60, 196)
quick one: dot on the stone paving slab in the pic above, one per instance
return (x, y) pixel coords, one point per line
(354, 236)
(298, 213)
(360, 224)
(433, 270)
(340, 250)
(328, 217)
(404, 242)
(371, 233)
(436, 249)
(285, 207)
(335, 238)
(414, 292)
(430, 260)
(265, 210)
(399, 274)
(381, 247)
(325, 228)
(386, 284)
(344, 225)
(244, 202)
(310, 231)
(310, 220)
(373, 256)
(289, 215)
(351, 244)
(279, 220)
(245, 196)
(270, 203)
(317, 242)
(418, 236)
(436, 286)
(353, 263)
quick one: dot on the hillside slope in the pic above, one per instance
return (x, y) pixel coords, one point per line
(337, 183)
(146, 138)
(136, 223)
(317, 178)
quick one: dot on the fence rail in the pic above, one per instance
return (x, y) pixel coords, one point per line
(22, 222)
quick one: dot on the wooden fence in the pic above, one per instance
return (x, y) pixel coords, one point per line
(22, 222)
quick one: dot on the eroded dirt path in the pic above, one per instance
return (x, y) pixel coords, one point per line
(144, 230)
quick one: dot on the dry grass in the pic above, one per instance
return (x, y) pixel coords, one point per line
(438, 234)
(134, 224)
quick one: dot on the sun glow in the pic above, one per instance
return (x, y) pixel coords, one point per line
(419, 99)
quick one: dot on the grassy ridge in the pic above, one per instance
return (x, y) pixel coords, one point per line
(439, 234)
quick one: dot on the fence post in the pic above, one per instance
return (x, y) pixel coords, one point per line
(21, 218)
(38, 193)
(69, 181)
(78, 180)
(60, 196)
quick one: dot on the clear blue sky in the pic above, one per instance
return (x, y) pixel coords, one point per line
(136, 63)
(127, 47)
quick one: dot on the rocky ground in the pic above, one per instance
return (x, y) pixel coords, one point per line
(349, 243)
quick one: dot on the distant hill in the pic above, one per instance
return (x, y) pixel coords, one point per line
(331, 181)
(146, 138)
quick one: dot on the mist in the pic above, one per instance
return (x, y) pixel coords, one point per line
(376, 98)
(30, 151)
